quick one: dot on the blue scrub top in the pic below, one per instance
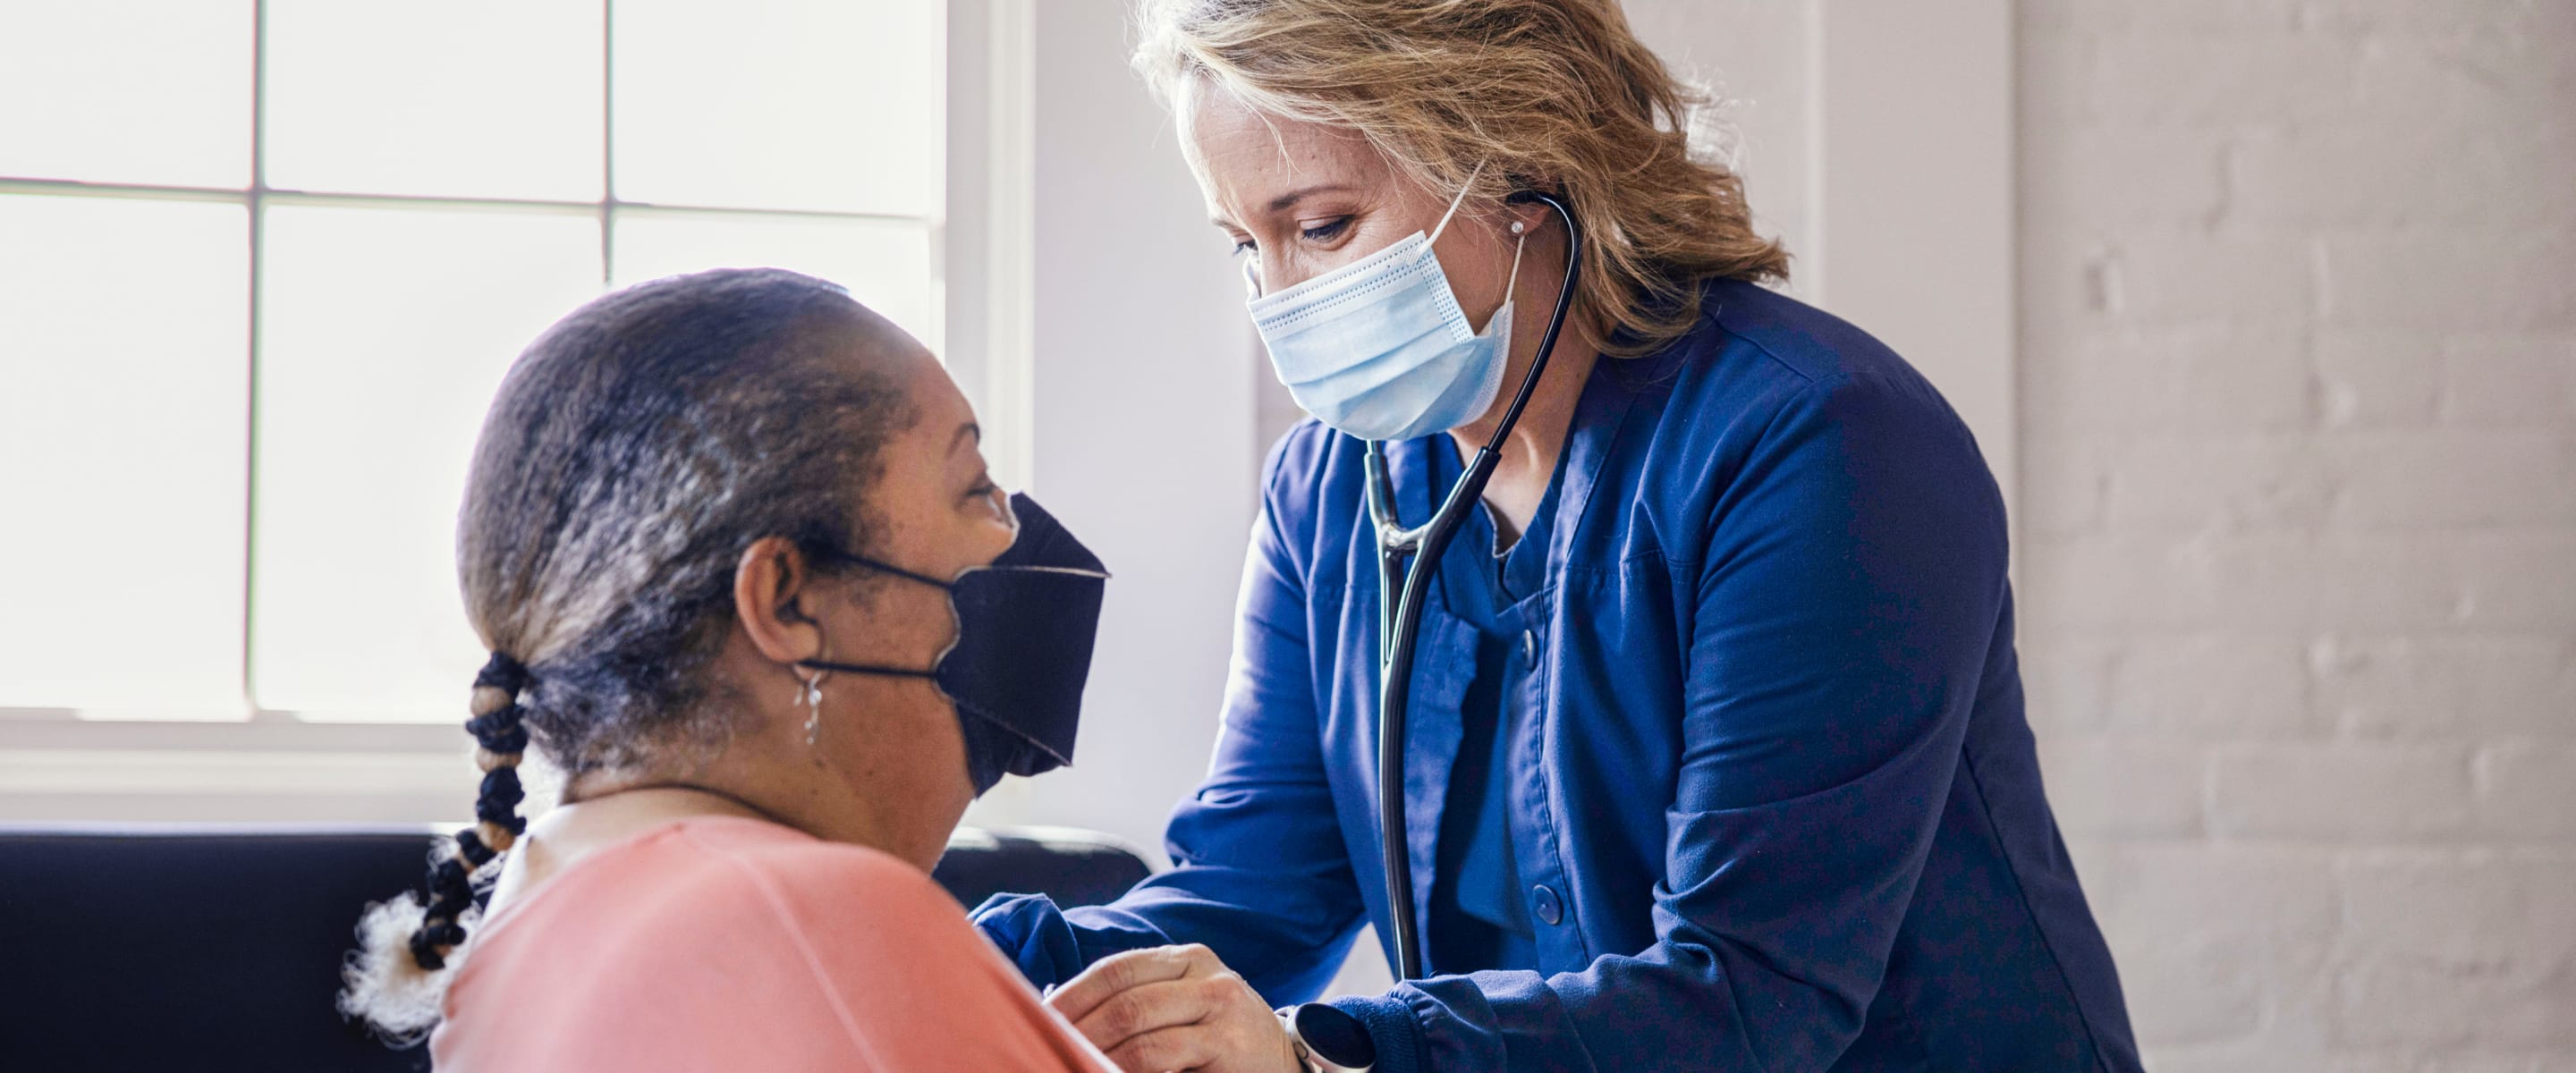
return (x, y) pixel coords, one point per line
(1479, 917)
(1776, 805)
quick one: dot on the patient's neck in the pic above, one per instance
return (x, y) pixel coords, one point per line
(602, 810)
(862, 774)
(817, 802)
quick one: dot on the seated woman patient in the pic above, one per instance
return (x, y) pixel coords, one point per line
(732, 544)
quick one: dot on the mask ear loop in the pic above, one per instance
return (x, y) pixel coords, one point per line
(1518, 229)
(1461, 199)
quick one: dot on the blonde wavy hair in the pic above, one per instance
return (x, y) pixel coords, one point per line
(1549, 94)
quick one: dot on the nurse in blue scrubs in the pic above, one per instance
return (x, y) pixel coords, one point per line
(1717, 758)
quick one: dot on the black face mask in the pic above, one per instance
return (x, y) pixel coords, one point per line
(1024, 633)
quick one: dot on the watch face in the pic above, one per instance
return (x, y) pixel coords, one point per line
(1335, 1036)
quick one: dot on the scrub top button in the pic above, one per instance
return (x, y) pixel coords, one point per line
(1529, 651)
(1543, 899)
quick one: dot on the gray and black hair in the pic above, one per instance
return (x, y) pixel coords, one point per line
(633, 452)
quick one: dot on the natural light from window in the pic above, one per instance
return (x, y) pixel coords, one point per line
(259, 281)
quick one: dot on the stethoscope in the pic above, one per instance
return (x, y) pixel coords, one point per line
(1399, 617)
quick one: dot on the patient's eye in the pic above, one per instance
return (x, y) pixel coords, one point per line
(986, 497)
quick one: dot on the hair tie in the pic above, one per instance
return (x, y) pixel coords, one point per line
(495, 705)
(503, 732)
(469, 845)
(424, 950)
(503, 673)
(499, 727)
(498, 803)
(447, 908)
(452, 885)
(447, 875)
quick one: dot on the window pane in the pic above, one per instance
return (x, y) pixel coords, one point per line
(383, 335)
(469, 98)
(782, 104)
(885, 265)
(124, 454)
(128, 91)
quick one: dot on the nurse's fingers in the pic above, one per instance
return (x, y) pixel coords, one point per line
(1175, 1008)
(1151, 1009)
(1191, 1047)
(1119, 972)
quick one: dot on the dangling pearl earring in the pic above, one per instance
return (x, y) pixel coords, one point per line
(812, 698)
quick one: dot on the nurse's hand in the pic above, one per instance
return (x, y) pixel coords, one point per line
(1174, 1007)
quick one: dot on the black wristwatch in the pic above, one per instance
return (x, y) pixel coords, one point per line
(1328, 1039)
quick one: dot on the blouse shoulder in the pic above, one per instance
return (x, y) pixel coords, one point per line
(809, 884)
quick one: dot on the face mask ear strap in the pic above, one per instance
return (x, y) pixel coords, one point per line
(885, 568)
(1520, 241)
(865, 668)
(1461, 199)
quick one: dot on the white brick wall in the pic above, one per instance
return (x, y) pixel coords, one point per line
(2298, 373)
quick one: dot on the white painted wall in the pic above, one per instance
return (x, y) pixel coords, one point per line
(1875, 138)
(1142, 410)
(1760, 59)
(1912, 194)
(2298, 323)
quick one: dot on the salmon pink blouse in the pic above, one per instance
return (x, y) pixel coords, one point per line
(729, 943)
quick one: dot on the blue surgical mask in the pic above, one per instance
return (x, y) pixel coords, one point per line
(1379, 349)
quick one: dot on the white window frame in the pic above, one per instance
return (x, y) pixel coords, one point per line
(58, 766)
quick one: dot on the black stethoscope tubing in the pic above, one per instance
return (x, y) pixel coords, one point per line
(1400, 617)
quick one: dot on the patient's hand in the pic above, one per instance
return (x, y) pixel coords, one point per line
(1174, 1007)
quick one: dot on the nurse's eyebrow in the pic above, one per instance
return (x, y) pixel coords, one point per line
(963, 432)
(1286, 200)
(1294, 196)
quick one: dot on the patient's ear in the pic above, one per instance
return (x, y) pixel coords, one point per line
(771, 584)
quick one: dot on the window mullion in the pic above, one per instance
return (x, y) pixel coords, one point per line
(607, 141)
(257, 203)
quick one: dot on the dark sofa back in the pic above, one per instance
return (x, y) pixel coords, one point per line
(130, 948)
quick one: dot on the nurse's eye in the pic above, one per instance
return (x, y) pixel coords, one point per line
(1327, 230)
(1243, 247)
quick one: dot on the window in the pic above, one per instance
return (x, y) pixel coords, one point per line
(262, 264)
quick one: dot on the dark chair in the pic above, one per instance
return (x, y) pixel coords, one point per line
(151, 948)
